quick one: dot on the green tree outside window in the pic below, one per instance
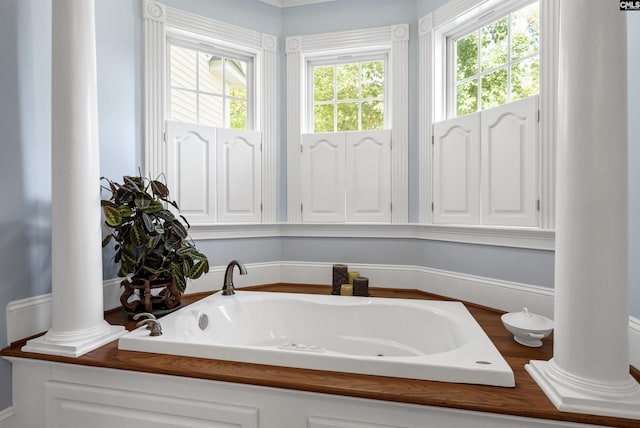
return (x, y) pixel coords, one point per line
(499, 62)
(348, 97)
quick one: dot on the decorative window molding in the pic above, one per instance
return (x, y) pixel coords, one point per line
(432, 95)
(393, 38)
(159, 21)
(515, 237)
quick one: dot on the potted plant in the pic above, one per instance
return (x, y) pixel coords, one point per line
(152, 244)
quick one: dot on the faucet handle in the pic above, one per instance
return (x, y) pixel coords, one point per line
(147, 316)
(153, 325)
(139, 315)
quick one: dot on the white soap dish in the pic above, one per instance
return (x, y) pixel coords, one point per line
(528, 329)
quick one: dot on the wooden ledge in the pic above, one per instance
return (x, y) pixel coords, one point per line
(526, 399)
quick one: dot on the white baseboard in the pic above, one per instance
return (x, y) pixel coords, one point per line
(7, 418)
(31, 316)
(634, 342)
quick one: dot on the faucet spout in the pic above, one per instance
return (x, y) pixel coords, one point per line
(228, 288)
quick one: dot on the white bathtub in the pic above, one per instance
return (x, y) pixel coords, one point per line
(416, 339)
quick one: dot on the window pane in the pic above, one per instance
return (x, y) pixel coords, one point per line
(210, 73)
(323, 118)
(211, 112)
(373, 79)
(237, 114)
(525, 31)
(494, 44)
(235, 75)
(467, 56)
(323, 83)
(525, 78)
(372, 115)
(348, 117)
(467, 98)
(494, 89)
(183, 67)
(183, 106)
(347, 81)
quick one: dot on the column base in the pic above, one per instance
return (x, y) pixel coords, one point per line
(570, 393)
(75, 343)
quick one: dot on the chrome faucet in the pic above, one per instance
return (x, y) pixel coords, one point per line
(227, 288)
(150, 321)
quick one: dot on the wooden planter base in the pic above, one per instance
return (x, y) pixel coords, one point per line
(167, 300)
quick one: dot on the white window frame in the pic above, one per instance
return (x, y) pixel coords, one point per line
(160, 22)
(432, 104)
(476, 24)
(313, 61)
(239, 53)
(299, 49)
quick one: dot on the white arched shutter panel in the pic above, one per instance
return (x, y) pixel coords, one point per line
(510, 164)
(323, 177)
(456, 170)
(191, 174)
(239, 160)
(368, 176)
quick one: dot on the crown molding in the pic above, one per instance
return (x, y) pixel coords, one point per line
(292, 3)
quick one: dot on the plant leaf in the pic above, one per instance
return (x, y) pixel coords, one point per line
(153, 207)
(138, 237)
(159, 189)
(142, 203)
(112, 216)
(198, 269)
(166, 215)
(106, 240)
(148, 222)
(179, 229)
(186, 250)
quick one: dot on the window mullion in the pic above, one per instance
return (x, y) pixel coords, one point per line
(335, 98)
(359, 96)
(479, 75)
(509, 59)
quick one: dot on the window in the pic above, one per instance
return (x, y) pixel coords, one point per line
(347, 96)
(209, 88)
(492, 64)
(496, 63)
(209, 115)
(363, 73)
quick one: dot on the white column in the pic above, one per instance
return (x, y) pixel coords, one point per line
(589, 372)
(77, 322)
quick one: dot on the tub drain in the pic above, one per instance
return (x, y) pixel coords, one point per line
(203, 322)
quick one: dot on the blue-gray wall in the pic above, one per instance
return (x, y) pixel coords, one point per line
(25, 123)
(25, 157)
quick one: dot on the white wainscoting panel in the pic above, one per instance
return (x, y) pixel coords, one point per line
(320, 422)
(72, 405)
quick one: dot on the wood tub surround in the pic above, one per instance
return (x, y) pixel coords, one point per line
(525, 400)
